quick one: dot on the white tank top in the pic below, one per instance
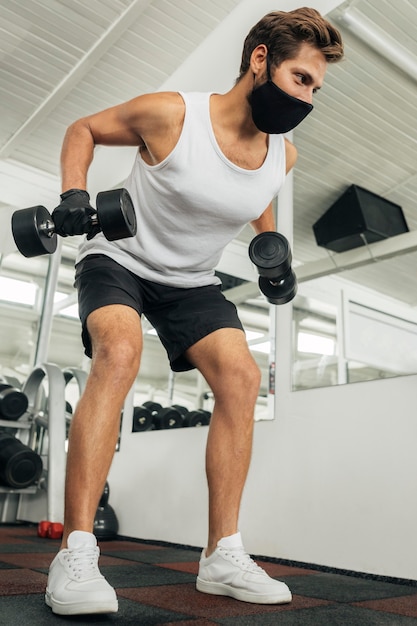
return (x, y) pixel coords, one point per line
(191, 205)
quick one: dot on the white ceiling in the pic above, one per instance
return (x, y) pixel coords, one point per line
(61, 59)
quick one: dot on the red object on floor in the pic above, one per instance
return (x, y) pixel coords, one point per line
(50, 530)
(43, 528)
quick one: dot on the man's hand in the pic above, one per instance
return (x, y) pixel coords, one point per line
(73, 215)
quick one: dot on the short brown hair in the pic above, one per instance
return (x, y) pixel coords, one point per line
(284, 32)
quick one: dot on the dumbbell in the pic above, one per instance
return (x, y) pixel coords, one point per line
(271, 253)
(199, 417)
(13, 403)
(20, 466)
(153, 407)
(142, 419)
(34, 230)
(50, 530)
(167, 418)
(163, 418)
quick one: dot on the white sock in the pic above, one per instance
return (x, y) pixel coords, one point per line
(232, 541)
(80, 538)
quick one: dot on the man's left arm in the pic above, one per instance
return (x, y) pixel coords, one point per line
(266, 222)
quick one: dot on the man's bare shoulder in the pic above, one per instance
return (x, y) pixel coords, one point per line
(163, 103)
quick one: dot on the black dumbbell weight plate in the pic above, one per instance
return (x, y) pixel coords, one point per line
(32, 233)
(181, 409)
(270, 252)
(197, 418)
(116, 214)
(142, 419)
(281, 292)
(13, 403)
(153, 407)
(20, 466)
(167, 418)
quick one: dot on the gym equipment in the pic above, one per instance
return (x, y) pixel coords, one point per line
(182, 409)
(106, 525)
(13, 402)
(153, 407)
(50, 530)
(199, 417)
(167, 418)
(153, 416)
(34, 230)
(142, 419)
(20, 466)
(271, 253)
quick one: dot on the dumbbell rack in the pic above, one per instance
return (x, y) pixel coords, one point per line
(44, 500)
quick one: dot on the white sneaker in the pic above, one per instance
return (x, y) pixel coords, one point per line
(75, 585)
(230, 571)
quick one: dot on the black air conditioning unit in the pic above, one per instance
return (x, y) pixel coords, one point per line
(357, 215)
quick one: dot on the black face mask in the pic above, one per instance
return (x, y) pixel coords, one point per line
(273, 110)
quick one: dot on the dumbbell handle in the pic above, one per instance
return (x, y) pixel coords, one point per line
(278, 280)
(48, 227)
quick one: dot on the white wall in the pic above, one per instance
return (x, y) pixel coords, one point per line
(332, 480)
(336, 476)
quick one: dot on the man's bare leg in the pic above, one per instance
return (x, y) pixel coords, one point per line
(225, 568)
(75, 585)
(117, 343)
(226, 363)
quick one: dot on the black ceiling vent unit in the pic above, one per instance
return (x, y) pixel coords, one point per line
(357, 218)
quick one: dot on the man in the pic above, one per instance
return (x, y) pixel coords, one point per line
(207, 164)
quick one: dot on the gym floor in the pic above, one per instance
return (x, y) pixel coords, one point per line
(156, 585)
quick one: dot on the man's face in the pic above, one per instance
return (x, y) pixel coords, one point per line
(302, 76)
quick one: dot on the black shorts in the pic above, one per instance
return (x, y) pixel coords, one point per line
(181, 317)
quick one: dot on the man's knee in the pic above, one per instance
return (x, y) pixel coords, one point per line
(249, 376)
(115, 367)
(116, 338)
(241, 378)
(120, 355)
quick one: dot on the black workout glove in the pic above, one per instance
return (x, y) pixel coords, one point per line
(73, 215)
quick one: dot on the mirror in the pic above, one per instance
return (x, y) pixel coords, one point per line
(344, 333)
(24, 280)
(21, 291)
(156, 382)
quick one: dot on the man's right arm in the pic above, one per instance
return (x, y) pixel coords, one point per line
(151, 121)
(76, 156)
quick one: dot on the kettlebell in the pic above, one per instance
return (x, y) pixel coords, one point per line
(106, 525)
